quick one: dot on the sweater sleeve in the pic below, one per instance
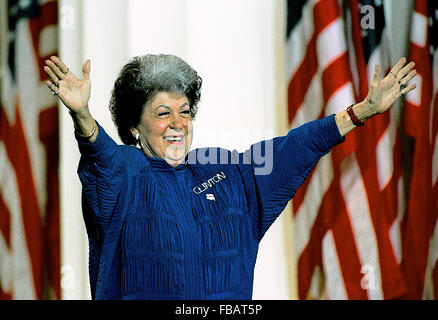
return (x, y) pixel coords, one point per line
(101, 171)
(280, 166)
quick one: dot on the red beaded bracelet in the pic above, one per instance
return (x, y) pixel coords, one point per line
(353, 117)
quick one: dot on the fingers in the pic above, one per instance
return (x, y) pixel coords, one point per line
(401, 74)
(53, 87)
(376, 78)
(377, 75)
(395, 70)
(54, 71)
(51, 74)
(86, 70)
(404, 81)
(60, 65)
(408, 88)
(404, 76)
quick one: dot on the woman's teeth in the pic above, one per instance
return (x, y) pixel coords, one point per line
(174, 139)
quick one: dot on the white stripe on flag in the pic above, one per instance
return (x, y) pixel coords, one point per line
(418, 36)
(334, 280)
(340, 100)
(7, 95)
(329, 44)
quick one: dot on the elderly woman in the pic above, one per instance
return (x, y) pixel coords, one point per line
(161, 223)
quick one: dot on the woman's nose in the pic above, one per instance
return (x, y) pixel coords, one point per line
(176, 122)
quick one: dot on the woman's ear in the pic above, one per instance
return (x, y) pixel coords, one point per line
(135, 133)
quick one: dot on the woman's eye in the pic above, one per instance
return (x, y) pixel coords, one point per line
(163, 114)
(185, 112)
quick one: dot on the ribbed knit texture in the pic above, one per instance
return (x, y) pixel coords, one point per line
(191, 232)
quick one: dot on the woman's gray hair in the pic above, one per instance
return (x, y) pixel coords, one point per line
(141, 79)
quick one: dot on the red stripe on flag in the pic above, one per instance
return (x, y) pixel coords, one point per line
(420, 6)
(335, 76)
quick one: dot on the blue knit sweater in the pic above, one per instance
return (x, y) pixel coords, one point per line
(190, 232)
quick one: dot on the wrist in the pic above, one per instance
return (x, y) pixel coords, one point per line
(82, 112)
(364, 110)
(84, 124)
(86, 136)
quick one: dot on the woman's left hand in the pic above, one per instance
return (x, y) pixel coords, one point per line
(384, 92)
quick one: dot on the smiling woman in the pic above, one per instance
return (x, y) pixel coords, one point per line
(163, 227)
(154, 100)
(139, 82)
(165, 128)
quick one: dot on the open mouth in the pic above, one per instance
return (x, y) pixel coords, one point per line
(174, 139)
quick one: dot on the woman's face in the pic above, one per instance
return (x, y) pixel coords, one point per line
(165, 128)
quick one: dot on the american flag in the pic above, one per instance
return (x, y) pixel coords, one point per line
(29, 203)
(420, 236)
(347, 212)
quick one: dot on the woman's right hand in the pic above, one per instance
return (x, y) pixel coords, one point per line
(72, 91)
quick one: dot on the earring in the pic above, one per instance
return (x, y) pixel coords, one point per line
(137, 135)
